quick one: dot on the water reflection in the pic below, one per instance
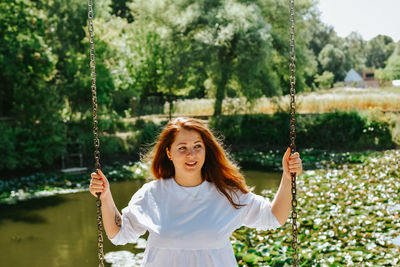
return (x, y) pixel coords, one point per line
(61, 230)
(263, 180)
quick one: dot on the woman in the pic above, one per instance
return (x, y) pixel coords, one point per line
(197, 199)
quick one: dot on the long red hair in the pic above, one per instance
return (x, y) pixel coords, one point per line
(218, 167)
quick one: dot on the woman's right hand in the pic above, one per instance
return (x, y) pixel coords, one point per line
(99, 184)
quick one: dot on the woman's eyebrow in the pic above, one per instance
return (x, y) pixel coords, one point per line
(184, 143)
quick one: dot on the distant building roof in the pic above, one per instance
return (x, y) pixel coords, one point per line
(353, 76)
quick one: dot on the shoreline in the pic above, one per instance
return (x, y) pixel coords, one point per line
(40, 185)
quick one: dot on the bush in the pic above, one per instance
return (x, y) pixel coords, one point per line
(338, 131)
(111, 123)
(258, 131)
(112, 146)
(325, 80)
(30, 148)
(8, 140)
(145, 133)
(376, 134)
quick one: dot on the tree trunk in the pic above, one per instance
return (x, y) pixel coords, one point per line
(142, 101)
(225, 68)
(220, 95)
(170, 108)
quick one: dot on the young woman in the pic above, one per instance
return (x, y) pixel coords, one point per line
(197, 199)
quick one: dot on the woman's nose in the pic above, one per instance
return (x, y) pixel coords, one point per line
(189, 152)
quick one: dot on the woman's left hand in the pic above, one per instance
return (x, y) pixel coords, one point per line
(291, 163)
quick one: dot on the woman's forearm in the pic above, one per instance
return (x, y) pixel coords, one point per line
(282, 203)
(111, 216)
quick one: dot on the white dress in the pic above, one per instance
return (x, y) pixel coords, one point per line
(190, 226)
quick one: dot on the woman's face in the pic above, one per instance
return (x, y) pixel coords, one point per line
(187, 152)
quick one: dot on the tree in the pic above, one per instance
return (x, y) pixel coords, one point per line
(74, 79)
(379, 49)
(321, 35)
(27, 72)
(224, 41)
(236, 41)
(332, 59)
(121, 9)
(161, 52)
(392, 69)
(354, 48)
(276, 13)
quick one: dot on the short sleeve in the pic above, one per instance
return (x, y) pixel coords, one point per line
(257, 213)
(132, 226)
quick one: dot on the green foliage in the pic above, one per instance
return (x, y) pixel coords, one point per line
(157, 49)
(9, 158)
(381, 75)
(110, 122)
(81, 131)
(355, 50)
(325, 80)
(339, 229)
(311, 158)
(234, 56)
(321, 35)
(111, 146)
(375, 135)
(32, 148)
(333, 60)
(338, 131)
(259, 131)
(238, 50)
(392, 69)
(378, 51)
(26, 187)
(145, 135)
(276, 13)
(27, 64)
(27, 71)
(120, 8)
(339, 55)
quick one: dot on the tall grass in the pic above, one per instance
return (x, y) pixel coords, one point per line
(386, 99)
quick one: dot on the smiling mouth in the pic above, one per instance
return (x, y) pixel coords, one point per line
(191, 164)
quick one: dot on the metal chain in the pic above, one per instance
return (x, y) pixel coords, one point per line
(95, 130)
(293, 130)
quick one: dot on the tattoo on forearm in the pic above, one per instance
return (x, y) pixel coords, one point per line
(117, 218)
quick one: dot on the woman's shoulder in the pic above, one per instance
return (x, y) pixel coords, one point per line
(147, 189)
(154, 185)
(152, 189)
(243, 197)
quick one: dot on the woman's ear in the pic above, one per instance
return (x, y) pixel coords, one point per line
(168, 154)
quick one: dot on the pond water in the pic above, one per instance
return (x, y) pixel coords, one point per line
(61, 230)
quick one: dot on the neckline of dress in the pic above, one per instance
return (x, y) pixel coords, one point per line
(188, 187)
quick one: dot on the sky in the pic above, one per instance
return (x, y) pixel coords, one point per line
(367, 17)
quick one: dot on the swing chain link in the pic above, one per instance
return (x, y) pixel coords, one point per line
(95, 130)
(293, 130)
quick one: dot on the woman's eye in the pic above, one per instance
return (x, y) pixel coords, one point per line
(182, 148)
(198, 146)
